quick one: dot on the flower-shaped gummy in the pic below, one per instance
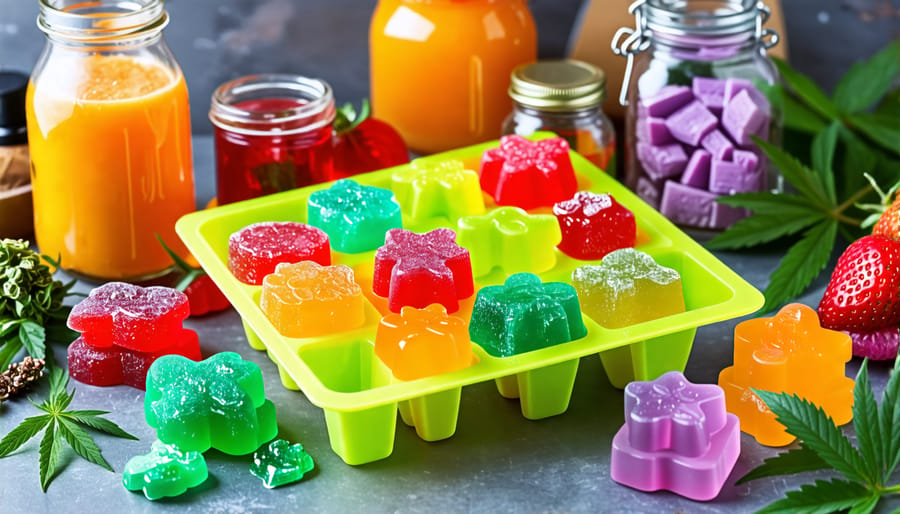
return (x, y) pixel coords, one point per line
(216, 403)
(280, 462)
(421, 269)
(355, 217)
(255, 250)
(430, 189)
(528, 174)
(165, 471)
(525, 314)
(593, 225)
(511, 239)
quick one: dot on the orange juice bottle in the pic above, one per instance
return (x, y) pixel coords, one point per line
(109, 134)
(440, 68)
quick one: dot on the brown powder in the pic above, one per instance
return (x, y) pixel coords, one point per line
(14, 167)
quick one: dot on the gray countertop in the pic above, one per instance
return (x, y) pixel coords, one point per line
(497, 461)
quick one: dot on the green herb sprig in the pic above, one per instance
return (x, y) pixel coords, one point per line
(866, 468)
(61, 425)
(849, 136)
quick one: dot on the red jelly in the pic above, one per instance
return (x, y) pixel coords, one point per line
(528, 174)
(114, 365)
(133, 317)
(593, 225)
(272, 133)
(255, 250)
(421, 269)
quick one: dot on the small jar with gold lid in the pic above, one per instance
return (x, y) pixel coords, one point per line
(565, 97)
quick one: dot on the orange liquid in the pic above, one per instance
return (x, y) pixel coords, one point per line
(111, 165)
(440, 68)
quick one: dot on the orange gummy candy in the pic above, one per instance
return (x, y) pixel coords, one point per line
(423, 342)
(789, 353)
(306, 299)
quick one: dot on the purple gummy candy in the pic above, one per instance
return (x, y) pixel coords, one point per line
(877, 345)
(661, 162)
(743, 117)
(690, 123)
(711, 92)
(729, 178)
(648, 191)
(668, 100)
(734, 86)
(696, 173)
(687, 205)
(653, 131)
(718, 145)
(746, 159)
(677, 436)
(723, 216)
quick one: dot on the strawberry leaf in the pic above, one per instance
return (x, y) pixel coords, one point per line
(786, 463)
(801, 264)
(823, 497)
(868, 429)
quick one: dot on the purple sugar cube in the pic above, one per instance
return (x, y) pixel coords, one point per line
(687, 205)
(728, 178)
(723, 216)
(653, 131)
(667, 100)
(711, 92)
(718, 145)
(648, 191)
(743, 117)
(661, 162)
(696, 173)
(690, 123)
(746, 159)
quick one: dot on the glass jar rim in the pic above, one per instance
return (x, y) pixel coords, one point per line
(101, 20)
(316, 112)
(702, 18)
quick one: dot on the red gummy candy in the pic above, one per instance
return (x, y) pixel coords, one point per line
(145, 319)
(593, 225)
(113, 365)
(421, 269)
(255, 250)
(528, 174)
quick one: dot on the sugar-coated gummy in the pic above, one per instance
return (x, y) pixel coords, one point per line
(164, 472)
(216, 403)
(525, 314)
(528, 174)
(145, 319)
(354, 216)
(280, 462)
(255, 250)
(430, 189)
(510, 239)
(593, 225)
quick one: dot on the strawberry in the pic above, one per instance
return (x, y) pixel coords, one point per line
(204, 296)
(864, 292)
(888, 224)
(362, 143)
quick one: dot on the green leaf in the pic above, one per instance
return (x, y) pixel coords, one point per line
(82, 443)
(890, 105)
(882, 129)
(91, 418)
(33, 336)
(866, 506)
(807, 182)
(59, 380)
(799, 117)
(786, 463)
(182, 265)
(8, 352)
(762, 228)
(889, 419)
(868, 430)
(823, 148)
(807, 90)
(49, 455)
(823, 497)
(858, 158)
(801, 264)
(22, 433)
(810, 424)
(868, 81)
(8, 325)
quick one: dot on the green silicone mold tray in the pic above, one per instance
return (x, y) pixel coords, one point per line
(341, 373)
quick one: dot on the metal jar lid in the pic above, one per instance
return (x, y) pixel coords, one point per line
(558, 85)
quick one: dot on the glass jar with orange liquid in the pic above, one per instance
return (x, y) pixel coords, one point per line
(110, 139)
(440, 69)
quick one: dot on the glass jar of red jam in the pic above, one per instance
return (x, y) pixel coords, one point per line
(272, 134)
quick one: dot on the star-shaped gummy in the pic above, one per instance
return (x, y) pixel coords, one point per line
(216, 403)
(431, 189)
(421, 269)
(528, 174)
(145, 319)
(525, 314)
(671, 413)
(306, 299)
(165, 471)
(593, 225)
(511, 239)
(280, 462)
(355, 217)
(423, 342)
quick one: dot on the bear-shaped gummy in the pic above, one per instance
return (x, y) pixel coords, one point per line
(528, 174)
(165, 471)
(510, 239)
(355, 217)
(430, 189)
(255, 250)
(280, 462)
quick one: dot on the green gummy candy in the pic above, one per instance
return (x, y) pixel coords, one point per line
(280, 463)
(355, 217)
(445, 189)
(165, 471)
(511, 239)
(216, 403)
(525, 314)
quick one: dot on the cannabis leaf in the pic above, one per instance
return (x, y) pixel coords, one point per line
(866, 468)
(61, 425)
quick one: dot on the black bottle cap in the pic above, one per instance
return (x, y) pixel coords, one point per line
(13, 85)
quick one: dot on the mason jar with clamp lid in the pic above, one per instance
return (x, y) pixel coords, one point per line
(695, 103)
